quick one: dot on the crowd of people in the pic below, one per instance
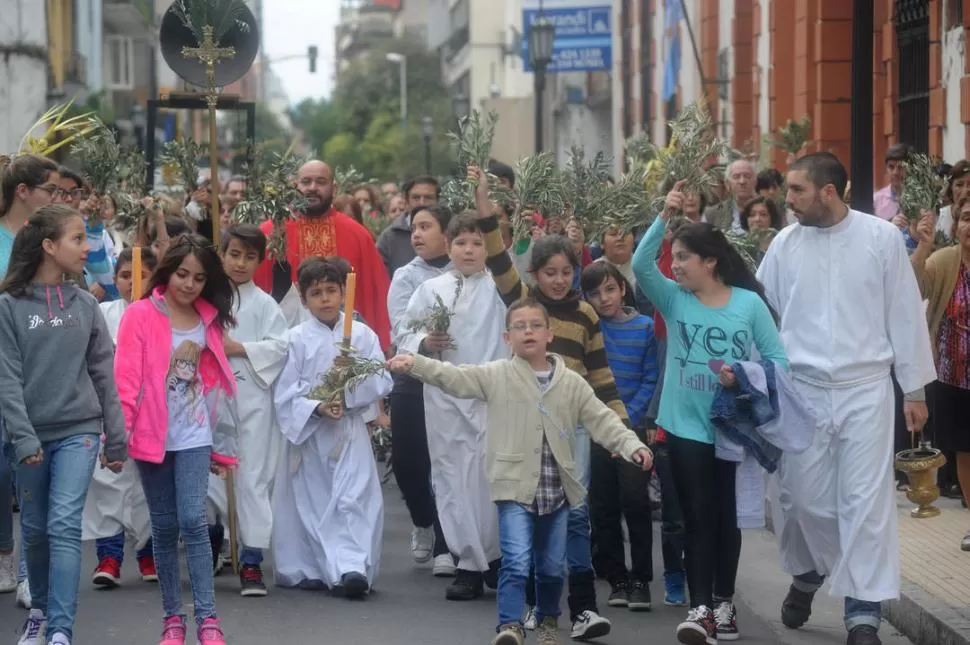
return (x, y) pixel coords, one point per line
(144, 372)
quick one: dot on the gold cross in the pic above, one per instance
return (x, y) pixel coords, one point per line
(209, 54)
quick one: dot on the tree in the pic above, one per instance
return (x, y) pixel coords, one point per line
(317, 120)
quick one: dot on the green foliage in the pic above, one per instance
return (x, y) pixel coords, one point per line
(921, 187)
(791, 137)
(586, 181)
(221, 15)
(184, 154)
(99, 156)
(317, 120)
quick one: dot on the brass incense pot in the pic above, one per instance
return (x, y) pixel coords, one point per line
(921, 465)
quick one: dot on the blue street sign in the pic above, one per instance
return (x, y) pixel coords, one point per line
(583, 41)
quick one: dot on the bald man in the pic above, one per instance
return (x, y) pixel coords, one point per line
(321, 230)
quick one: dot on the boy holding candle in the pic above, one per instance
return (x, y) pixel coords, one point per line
(328, 505)
(115, 504)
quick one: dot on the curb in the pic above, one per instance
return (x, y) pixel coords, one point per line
(924, 619)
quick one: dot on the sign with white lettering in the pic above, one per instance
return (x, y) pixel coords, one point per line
(583, 41)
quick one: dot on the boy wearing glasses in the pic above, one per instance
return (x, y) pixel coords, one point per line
(535, 403)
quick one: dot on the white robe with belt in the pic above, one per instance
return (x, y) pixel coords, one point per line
(328, 501)
(850, 309)
(456, 427)
(262, 330)
(115, 502)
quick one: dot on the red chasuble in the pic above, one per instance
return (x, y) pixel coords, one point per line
(337, 234)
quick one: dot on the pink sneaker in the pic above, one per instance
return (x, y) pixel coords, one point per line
(173, 632)
(210, 633)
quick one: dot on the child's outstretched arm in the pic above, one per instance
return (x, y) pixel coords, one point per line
(606, 428)
(100, 361)
(18, 429)
(462, 381)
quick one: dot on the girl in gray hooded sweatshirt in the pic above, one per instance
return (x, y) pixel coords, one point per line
(57, 395)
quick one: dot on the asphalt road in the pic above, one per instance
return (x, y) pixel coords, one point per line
(408, 607)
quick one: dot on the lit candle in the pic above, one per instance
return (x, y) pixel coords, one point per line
(136, 291)
(349, 304)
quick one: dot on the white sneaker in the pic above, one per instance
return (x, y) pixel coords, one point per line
(422, 544)
(34, 629)
(589, 625)
(23, 595)
(529, 622)
(8, 573)
(444, 566)
(60, 638)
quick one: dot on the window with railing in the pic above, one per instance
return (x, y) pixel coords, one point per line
(913, 62)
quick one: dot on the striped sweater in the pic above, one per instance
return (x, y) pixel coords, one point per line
(631, 349)
(575, 325)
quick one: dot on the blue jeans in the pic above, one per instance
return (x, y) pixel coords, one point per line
(114, 547)
(52, 495)
(176, 494)
(579, 555)
(527, 539)
(6, 507)
(856, 612)
(251, 557)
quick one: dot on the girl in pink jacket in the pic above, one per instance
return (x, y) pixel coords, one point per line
(171, 369)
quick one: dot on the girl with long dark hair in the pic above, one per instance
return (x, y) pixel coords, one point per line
(171, 370)
(716, 312)
(58, 395)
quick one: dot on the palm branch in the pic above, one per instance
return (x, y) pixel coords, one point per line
(184, 155)
(58, 130)
(921, 187)
(99, 156)
(791, 137)
(348, 371)
(221, 15)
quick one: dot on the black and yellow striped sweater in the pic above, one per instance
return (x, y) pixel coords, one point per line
(575, 325)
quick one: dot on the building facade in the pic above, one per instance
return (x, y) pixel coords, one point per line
(23, 69)
(763, 62)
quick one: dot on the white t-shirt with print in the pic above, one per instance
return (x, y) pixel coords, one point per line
(188, 416)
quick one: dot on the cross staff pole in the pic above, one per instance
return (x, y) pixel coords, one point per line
(210, 54)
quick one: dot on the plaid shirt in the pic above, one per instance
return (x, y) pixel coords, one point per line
(549, 495)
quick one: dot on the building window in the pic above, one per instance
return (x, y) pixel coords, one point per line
(119, 63)
(913, 53)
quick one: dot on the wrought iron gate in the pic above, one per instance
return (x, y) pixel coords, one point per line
(913, 55)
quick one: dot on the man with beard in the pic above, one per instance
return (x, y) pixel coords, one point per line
(850, 310)
(323, 231)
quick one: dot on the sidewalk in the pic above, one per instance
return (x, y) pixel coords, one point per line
(934, 607)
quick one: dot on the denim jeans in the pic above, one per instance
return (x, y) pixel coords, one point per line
(579, 556)
(250, 557)
(176, 494)
(856, 612)
(52, 495)
(6, 505)
(114, 547)
(528, 539)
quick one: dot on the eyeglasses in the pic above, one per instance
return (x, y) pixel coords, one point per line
(54, 191)
(520, 327)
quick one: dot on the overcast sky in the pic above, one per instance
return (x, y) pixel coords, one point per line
(290, 27)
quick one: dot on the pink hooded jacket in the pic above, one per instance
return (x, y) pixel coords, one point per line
(141, 369)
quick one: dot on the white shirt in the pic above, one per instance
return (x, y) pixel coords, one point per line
(188, 417)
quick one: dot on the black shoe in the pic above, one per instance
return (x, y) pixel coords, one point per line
(639, 597)
(491, 576)
(251, 581)
(619, 594)
(216, 536)
(354, 585)
(863, 635)
(796, 608)
(468, 585)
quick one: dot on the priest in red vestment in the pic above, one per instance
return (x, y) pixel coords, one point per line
(324, 231)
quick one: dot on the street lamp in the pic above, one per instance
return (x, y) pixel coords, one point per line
(460, 105)
(402, 60)
(427, 129)
(541, 36)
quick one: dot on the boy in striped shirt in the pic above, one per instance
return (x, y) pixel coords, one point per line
(616, 490)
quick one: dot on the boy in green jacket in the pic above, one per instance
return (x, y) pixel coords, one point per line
(535, 404)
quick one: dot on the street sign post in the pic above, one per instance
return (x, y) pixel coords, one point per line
(583, 41)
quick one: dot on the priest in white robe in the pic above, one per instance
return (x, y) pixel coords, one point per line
(115, 509)
(328, 500)
(850, 310)
(456, 427)
(261, 331)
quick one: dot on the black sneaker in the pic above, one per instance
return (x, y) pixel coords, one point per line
(354, 585)
(217, 534)
(639, 597)
(726, 618)
(251, 581)
(491, 576)
(468, 585)
(619, 594)
(796, 609)
(863, 635)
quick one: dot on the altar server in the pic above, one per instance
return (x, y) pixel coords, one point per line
(328, 501)
(256, 348)
(850, 309)
(456, 426)
(115, 507)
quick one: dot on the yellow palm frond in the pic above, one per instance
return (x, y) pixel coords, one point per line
(56, 124)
